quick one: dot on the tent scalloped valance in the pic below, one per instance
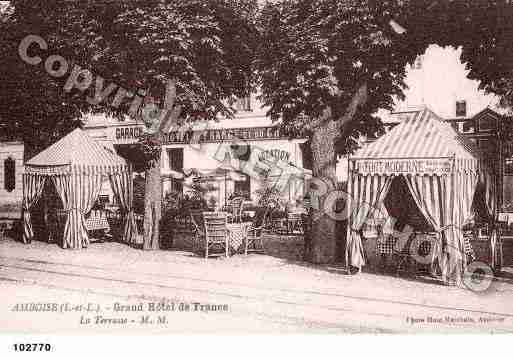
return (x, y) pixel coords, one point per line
(76, 169)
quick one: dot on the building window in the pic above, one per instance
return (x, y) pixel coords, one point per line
(175, 159)
(9, 174)
(507, 149)
(468, 126)
(461, 108)
(243, 104)
(486, 124)
(243, 188)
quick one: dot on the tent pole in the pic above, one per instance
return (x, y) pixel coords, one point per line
(453, 206)
(349, 205)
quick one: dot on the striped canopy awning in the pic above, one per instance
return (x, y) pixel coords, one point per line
(77, 166)
(423, 150)
(421, 143)
(76, 152)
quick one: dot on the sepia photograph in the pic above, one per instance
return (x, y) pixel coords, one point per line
(242, 167)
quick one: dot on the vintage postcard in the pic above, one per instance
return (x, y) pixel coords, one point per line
(255, 167)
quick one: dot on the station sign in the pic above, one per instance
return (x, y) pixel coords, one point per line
(274, 155)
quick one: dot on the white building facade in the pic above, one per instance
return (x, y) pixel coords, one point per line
(230, 157)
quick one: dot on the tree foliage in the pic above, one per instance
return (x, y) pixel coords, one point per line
(207, 46)
(32, 107)
(314, 54)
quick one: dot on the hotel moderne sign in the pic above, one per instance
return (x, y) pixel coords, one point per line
(390, 166)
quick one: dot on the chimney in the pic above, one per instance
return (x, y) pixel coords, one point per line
(461, 108)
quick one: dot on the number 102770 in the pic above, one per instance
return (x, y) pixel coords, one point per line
(32, 347)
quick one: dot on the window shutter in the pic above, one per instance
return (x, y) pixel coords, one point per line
(9, 174)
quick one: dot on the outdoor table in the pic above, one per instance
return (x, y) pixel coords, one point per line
(97, 223)
(385, 244)
(97, 220)
(237, 233)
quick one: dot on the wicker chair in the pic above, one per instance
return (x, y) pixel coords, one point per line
(115, 221)
(216, 234)
(236, 206)
(403, 258)
(198, 229)
(269, 223)
(3, 229)
(294, 223)
(253, 240)
(406, 262)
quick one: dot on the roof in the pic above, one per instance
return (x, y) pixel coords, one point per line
(395, 117)
(421, 134)
(398, 116)
(76, 149)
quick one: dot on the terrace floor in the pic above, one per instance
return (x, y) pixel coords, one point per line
(271, 292)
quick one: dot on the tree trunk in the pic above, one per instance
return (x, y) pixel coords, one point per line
(153, 187)
(323, 234)
(323, 237)
(152, 206)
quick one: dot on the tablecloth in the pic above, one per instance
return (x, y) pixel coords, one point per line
(389, 245)
(237, 233)
(96, 223)
(385, 245)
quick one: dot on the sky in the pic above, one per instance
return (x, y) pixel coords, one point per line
(441, 81)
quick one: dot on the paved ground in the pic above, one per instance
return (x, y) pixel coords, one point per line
(257, 293)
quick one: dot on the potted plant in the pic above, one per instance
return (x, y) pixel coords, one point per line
(171, 207)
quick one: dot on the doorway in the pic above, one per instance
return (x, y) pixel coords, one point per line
(400, 205)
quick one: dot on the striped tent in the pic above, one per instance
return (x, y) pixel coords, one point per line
(443, 172)
(77, 165)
